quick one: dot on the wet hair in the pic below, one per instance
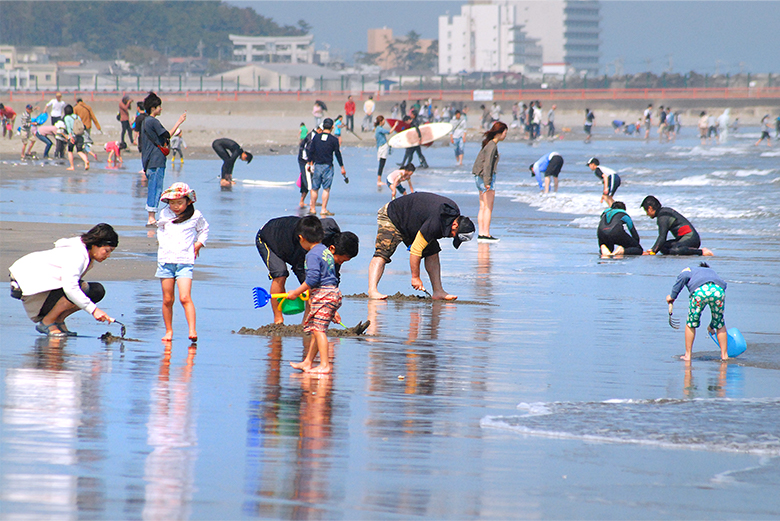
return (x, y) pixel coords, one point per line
(188, 212)
(497, 128)
(346, 243)
(408, 168)
(310, 228)
(122, 145)
(651, 202)
(151, 101)
(704, 265)
(618, 205)
(68, 110)
(100, 235)
(249, 156)
(379, 121)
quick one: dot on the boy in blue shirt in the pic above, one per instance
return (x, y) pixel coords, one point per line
(322, 281)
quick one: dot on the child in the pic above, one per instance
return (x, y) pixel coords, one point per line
(706, 288)
(337, 125)
(322, 282)
(396, 177)
(27, 132)
(181, 233)
(62, 139)
(177, 143)
(609, 179)
(115, 148)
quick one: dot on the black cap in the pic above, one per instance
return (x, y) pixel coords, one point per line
(466, 231)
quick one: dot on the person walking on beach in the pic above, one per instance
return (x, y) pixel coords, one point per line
(611, 232)
(322, 283)
(303, 164)
(588, 125)
(546, 167)
(177, 146)
(278, 245)
(320, 152)
(74, 128)
(182, 232)
(349, 111)
(484, 171)
(686, 239)
(418, 220)
(56, 108)
(551, 122)
(87, 115)
(396, 177)
(648, 117)
(608, 177)
(766, 128)
(124, 118)
(458, 136)
(49, 283)
(154, 152)
(414, 122)
(138, 122)
(317, 111)
(382, 147)
(703, 126)
(27, 132)
(368, 109)
(229, 152)
(705, 288)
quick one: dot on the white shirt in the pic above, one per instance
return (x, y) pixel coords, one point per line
(57, 108)
(177, 240)
(369, 106)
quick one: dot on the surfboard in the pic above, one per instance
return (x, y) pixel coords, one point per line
(737, 344)
(397, 123)
(260, 182)
(429, 133)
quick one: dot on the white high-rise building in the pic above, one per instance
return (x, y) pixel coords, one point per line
(486, 38)
(527, 36)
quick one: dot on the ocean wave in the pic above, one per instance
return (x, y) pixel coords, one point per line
(748, 426)
(700, 151)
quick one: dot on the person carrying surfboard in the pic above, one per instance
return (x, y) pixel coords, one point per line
(414, 123)
(706, 288)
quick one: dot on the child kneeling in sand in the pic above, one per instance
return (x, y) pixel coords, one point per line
(322, 281)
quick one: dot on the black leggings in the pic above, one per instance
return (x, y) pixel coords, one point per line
(304, 181)
(614, 235)
(685, 245)
(93, 290)
(126, 128)
(382, 162)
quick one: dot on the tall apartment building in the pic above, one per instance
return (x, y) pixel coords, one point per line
(528, 36)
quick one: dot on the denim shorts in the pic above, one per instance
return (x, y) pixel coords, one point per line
(458, 142)
(322, 177)
(172, 270)
(481, 183)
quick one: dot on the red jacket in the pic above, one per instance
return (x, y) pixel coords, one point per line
(349, 108)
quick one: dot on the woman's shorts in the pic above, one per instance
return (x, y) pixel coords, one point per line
(38, 306)
(587, 129)
(173, 270)
(382, 152)
(710, 295)
(323, 304)
(481, 183)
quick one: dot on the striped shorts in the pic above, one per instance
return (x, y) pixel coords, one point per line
(323, 304)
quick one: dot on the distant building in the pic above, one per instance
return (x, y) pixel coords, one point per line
(282, 76)
(486, 37)
(527, 36)
(380, 42)
(26, 68)
(276, 49)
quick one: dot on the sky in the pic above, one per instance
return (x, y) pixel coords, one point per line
(678, 36)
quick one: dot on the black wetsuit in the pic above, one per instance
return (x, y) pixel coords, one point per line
(686, 240)
(611, 232)
(228, 151)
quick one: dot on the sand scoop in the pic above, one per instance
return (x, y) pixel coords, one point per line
(674, 322)
(262, 297)
(123, 330)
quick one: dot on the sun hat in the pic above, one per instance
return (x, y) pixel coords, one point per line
(178, 191)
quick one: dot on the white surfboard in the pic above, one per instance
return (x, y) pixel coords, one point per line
(429, 133)
(268, 184)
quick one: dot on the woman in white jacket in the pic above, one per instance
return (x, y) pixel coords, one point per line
(49, 282)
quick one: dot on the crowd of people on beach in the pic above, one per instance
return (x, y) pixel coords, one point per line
(50, 283)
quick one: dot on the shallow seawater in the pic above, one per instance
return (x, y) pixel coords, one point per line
(560, 397)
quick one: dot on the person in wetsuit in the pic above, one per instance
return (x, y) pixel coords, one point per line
(686, 239)
(613, 239)
(228, 151)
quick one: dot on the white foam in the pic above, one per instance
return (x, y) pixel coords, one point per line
(742, 173)
(534, 409)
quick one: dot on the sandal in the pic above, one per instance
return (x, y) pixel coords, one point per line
(62, 327)
(42, 328)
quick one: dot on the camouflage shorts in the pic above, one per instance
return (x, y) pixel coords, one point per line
(387, 236)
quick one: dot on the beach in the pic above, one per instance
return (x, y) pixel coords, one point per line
(555, 392)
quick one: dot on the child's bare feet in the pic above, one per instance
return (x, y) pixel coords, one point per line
(320, 369)
(70, 168)
(303, 366)
(168, 336)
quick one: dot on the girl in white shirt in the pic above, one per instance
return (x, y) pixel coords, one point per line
(181, 232)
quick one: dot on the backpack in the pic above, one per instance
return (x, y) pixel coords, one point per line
(78, 127)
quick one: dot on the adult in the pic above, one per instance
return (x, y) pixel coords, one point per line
(349, 111)
(484, 171)
(458, 136)
(278, 245)
(608, 177)
(414, 122)
(87, 115)
(303, 161)
(317, 111)
(382, 148)
(545, 168)
(368, 109)
(74, 130)
(588, 125)
(45, 134)
(766, 128)
(495, 112)
(124, 118)
(611, 232)
(551, 122)
(138, 122)
(7, 119)
(49, 282)
(56, 108)
(321, 151)
(418, 220)
(686, 239)
(154, 152)
(229, 152)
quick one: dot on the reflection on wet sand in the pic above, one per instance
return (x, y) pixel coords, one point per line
(728, 383)
(170, 467)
